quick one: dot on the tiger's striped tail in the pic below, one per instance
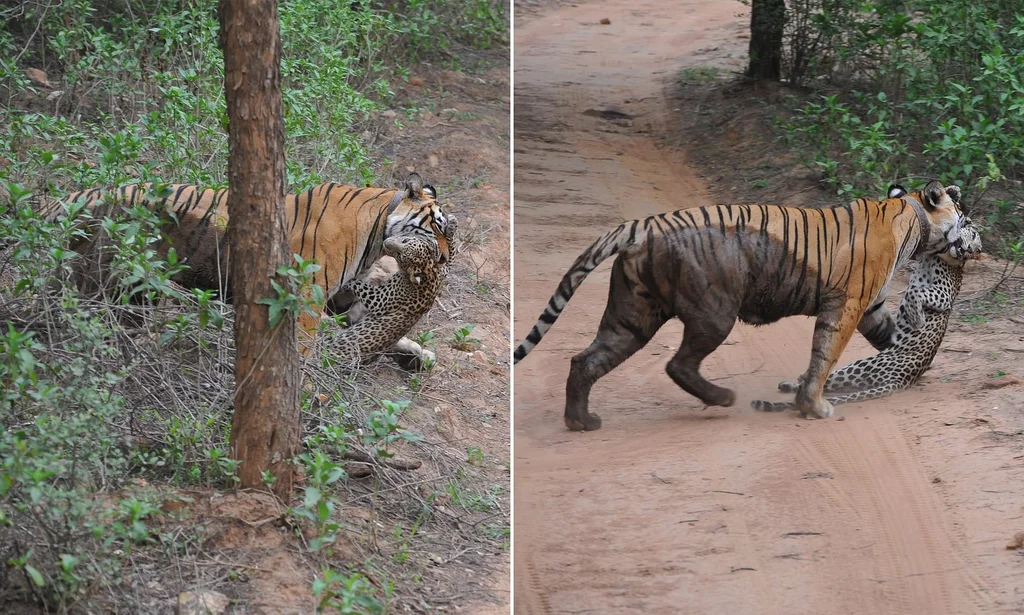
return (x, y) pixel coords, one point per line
(609, 244)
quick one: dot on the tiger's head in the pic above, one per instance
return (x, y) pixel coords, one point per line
(938, 213)
(415, 211)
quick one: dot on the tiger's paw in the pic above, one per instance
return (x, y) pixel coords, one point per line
(590, 422)
(821, 410)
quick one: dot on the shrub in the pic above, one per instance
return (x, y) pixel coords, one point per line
(905, 96)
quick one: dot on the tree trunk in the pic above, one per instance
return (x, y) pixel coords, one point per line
(265, 427)
(767, 18)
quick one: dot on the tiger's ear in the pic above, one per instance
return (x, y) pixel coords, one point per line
(429, 191)
(895, 191)
(934, 193)
(414, 185)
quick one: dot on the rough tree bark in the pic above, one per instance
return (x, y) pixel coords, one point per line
(265, 427)
(767, 18)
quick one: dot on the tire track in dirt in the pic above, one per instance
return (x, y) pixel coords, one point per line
(671, 507)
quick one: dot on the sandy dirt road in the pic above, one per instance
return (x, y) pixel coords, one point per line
(671, 507)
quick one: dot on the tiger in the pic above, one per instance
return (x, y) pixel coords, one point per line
(341, 227)
(709, 266)
(920, 326)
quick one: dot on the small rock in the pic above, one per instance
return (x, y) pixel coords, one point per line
(842, 418)
(54, 95)
(202, 603)
(936, 480)
(38, 77)
(605, 21)
(390, 114)
(479, 357)
(416, 82)
(1017, 542)
(433, 161)
(1002, 381)
(742, 36)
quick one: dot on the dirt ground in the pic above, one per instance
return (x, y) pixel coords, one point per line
(900, 505)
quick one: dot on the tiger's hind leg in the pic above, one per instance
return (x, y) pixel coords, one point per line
(701, 336)
(631, 318)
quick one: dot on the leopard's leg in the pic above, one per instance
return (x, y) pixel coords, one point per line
(912, 310)
(840, 379)
(836, 400)
(844, 380)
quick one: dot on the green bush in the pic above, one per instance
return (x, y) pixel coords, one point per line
(134, 381)
(138, 87)
(904, 96)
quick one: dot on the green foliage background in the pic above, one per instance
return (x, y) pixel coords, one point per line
(906, 91)
(135, 93)
(138, 86)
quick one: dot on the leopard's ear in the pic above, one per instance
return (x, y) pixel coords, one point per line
(429, 191)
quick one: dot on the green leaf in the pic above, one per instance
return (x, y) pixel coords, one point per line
(37, 577)
(313, 496)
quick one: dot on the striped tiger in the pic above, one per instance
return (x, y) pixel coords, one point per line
(341, 227)
(709, 266)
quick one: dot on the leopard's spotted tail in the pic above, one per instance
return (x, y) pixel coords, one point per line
(865, 395)
(607, 245)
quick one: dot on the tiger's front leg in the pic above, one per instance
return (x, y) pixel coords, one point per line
(832, 332)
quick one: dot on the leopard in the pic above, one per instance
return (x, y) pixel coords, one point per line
(383, 309)
(921, 322)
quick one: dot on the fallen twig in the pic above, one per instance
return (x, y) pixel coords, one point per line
(788, 534)
(398, 464)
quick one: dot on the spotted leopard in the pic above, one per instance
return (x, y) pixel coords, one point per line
(383, 311)
(920, 326)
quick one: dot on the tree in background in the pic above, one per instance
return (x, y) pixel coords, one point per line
(265, 425)
(767, 19)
